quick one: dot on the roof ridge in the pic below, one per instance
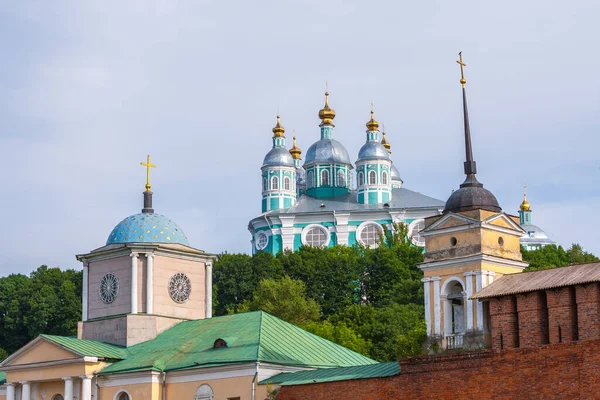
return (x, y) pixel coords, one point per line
(260, 328)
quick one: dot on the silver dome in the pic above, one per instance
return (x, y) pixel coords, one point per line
(327, 151)
(278, 157)
(533, 232)
(395, 174)
(300, 177)
(373, 151)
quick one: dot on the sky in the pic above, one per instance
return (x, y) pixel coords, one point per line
(89, 88)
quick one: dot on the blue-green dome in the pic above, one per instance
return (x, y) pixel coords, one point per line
(147, 228)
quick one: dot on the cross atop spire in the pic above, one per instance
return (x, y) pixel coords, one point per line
(148, 194)
(462, 71)
(148, 165)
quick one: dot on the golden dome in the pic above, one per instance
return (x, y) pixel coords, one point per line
(525, 206)
(385, 143)
(372, 125)
(278, 130)
(326, 113)
(295, 151)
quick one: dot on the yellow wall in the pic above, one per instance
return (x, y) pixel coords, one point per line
(54, 372)
(145, 391)
(223, 388)
(44, 351)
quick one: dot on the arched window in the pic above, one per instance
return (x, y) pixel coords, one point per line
(59, 397)
(310, 179)
(264, 184)
(361, 179)
(369, 233)
(286, 183)
(372, 178)
(341, 178)
(325, 178)
(123, 396)
(274, 183)
(315, 235)
(384, 178)
(204, 392)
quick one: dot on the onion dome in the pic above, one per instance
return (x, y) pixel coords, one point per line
(295, 151)
(373, 151)
(395, 174)
(385, 143)
(147, 228)
(525, 206)
(326, 114)
(278, 130)
(327, 151)
(278, 156)
(372, 125)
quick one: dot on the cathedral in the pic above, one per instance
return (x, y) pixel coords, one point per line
(316, 204)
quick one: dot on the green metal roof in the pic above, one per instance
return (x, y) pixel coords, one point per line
(2, 378)
(90, 348)
(335, 374)
(250, 337)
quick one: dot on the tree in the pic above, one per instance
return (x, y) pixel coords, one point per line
(49, 301)
(555, 256)
(395, 331)
(284, 298)
(341, 334)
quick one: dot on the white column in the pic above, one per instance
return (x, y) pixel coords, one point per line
(86, 387)
(427, 295)
(10, 391)
(287, 231)
(25, 391)
(84, 292)
(134, 283)
(478, 304)
(149, 283)
(208, 302)
(437, 310)
(469, 303)
(68, 388)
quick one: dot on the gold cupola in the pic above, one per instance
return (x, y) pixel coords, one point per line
(278, 130)
(295, 151)
(384, 142)
(525, 206)
(326, 114)
(372, 125)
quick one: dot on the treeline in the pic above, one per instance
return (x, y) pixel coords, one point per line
(46, 301)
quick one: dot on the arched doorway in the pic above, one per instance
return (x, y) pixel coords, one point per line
(454, 313)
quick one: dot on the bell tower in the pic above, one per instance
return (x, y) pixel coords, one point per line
(467, 247)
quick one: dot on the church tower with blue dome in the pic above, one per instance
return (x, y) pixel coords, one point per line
(327, 162)
(534, 237)
(278, 174)
(145, 279)
(394, 173)
(373, 168)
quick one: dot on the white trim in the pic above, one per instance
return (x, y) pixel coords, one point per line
(362, 226)
(134, 283)
(206, 374)
(318, 226)
(208, 301)
(149, 283)
(411, 227)
(454, 278)
(436, 265)
(437, 305)
(128, 379)
(469, 292)
(478, 286)
(256, 241)
(84, 294)
(32, 345)
(426, 296)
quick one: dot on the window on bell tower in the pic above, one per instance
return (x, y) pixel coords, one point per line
(372, 178)
(384, 179)
(325, 178)
(274, 183)
(286, 183)
(361, 179)
(341, 178)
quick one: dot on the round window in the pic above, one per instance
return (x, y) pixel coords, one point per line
(261, 240)
(315, 235)
(501, 241)
(414, 232)
(453, 241)
(109, 288)
(369, 234)
(179, 287)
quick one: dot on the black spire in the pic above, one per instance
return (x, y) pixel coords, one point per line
(147, 193)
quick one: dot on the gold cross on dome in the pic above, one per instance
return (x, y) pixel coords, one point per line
(462, 72)
(148, 165)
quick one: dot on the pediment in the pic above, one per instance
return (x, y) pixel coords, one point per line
(450, 220)
(503, 220)
(40, 350)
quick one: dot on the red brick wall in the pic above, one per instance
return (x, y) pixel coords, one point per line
(562, 314)
(533, 319)
(504, 323)
(560, 371)
(588, 311)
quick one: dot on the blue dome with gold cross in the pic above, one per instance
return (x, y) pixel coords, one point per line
(147, 228)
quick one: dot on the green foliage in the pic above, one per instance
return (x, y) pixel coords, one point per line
(49, 301)
(3, 354)
(396, 331)
(341, 334)
(284, 298)
(553, 256)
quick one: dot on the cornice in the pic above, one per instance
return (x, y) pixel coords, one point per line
(436, 265)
